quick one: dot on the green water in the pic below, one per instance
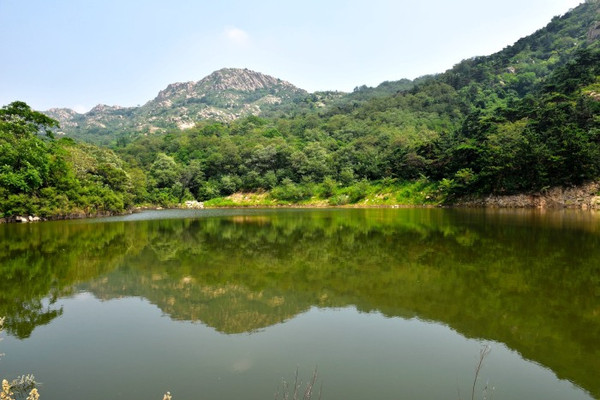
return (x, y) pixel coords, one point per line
(224, 304)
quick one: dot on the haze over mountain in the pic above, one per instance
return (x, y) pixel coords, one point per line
(232, 93)
(224, 95)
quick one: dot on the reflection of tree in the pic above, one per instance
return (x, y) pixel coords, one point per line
(489, 276)
(522, 280)
(41, 261)
(29, 315)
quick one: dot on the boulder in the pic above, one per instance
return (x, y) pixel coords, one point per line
(193, 204)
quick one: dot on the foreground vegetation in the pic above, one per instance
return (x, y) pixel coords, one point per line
(522, 120)
(19, 386)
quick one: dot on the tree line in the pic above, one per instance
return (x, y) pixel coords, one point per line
(473, 130)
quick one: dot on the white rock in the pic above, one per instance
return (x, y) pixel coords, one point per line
(194, 204)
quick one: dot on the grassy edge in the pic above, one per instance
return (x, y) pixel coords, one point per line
(362, 194)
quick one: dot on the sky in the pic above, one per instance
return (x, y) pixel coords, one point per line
(79, 53)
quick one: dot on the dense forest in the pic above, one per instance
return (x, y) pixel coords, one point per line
(519, 121)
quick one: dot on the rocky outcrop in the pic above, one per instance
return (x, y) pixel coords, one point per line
(579, 197)
(243, 80)
(224, 95)
(193, 204)
(594, 32)
(66, 117)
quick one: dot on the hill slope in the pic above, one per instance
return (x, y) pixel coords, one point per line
(519, 121)
(224, 95)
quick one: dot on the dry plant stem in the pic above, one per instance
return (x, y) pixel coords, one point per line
(294, 394)
(485, 350)
(296, 385)
(309, 388)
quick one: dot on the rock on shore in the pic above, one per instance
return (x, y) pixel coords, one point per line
(582, 197)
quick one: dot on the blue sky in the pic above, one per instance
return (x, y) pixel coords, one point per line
(79, 53)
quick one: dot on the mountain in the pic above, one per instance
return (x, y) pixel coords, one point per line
(520, 121)
(228, 94)
(224, 95)
(520, 66)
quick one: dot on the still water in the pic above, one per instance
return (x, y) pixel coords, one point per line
(226, 304)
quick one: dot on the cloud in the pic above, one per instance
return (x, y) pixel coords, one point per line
(242, 365)
(237, 35)
(81, 109)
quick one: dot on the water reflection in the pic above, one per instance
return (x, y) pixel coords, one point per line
(530, 280)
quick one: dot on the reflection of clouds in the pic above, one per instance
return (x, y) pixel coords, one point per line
(242, 365)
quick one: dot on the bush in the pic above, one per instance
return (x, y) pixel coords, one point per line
(328, 187)
(292, 192)
(358, 191)
(163, 196)
(19, 204)
(339, 200)
(208, 190)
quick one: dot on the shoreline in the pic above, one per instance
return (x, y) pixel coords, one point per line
(584, 197)
(22, 219)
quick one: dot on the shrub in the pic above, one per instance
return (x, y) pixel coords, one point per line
(292, 192)
(358, 191)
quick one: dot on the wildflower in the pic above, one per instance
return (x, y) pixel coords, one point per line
(33, 395)
(6, 394)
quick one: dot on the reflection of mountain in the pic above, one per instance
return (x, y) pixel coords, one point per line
(531, 283)
(229, 308)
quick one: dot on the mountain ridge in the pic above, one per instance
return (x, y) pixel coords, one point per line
(223, 95)
(231, 93)
(518, 122)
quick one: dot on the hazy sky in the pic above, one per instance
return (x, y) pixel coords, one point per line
(79, 53)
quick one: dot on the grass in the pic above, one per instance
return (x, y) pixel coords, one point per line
(241, 200)
(384, 193)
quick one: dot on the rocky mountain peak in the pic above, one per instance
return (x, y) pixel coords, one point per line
(61, 113)
(243, 80)
(223, 80)
(102, 108)
(175, 89)
(224, 95)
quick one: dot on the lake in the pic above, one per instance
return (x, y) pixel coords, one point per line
(228, 304)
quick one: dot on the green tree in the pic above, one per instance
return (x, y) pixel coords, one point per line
(24, 156)
(164, 171)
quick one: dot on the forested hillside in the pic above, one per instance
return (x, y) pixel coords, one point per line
(42, 176)
(521, 120)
